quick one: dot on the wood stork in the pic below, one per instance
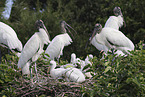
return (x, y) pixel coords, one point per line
(85, 63)
(55, 48)
(116, 21)
(73, 62)
(34, 47)
(73, 58)
(56, 73)
(75, 75)
(88, 59)
(107, 38)
(9, 39)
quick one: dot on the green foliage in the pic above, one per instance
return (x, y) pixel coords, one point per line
(112, 76)
(123, 76)
(8, 75)
(82, 15)
(2, 5)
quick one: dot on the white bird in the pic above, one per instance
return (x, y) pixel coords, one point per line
(34, 47)
(56, 73)
(26, 68)
(73, 58)
(85, 63)
(88, 59)
(116, 21)
(75, 75)
(109, 38)
(55, 48)
(73, 62)
(9, 39)
(76, 61)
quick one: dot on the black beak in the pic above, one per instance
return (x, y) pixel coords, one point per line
(45, 29)
(69, 30)
(93, 34)
(90, 39)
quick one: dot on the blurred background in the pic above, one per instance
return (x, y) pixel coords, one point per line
(82, 15)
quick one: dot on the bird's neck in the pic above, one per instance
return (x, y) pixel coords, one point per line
(53, 67)
(63, 30)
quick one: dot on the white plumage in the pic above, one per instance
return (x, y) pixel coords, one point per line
(75, 75)
(33, 48)
(115, 39)
(56, 73)
(88, 59)
(8, 37)
(96, 42)
(114, 22)
(26, 68)
(73, 62)
(85, 63)
(108, 38)
(73, 58)
(55, 48)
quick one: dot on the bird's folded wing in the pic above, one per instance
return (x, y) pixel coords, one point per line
(30, 49)
(117, 38)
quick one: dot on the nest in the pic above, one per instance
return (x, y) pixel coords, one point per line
(47, 86)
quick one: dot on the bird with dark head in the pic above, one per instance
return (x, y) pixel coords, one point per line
(64, 27)
(117, 11)
(40, 24)
(97, 29)
(33, 47)
(55, 48)
(116, 21)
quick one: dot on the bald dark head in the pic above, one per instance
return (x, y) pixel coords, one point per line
(117, 11)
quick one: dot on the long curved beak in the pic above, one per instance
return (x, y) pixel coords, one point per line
(46, 30)
(71, 28)
(93, 34)
(70, 32)
(90, 39)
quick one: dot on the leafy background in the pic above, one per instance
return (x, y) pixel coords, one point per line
(127, 79)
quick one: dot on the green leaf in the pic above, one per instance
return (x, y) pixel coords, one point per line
(107, 69)
(87, 66)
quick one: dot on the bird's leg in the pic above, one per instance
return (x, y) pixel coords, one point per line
(36, 72)
(31, 74)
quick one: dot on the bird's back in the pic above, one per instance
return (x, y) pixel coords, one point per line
(75, 75)
(29, 50)
(116, 38)
(55, 48)
(57, 73)
(8, 37)
(114, 22)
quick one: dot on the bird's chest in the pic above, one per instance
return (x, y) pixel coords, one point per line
(100, 39)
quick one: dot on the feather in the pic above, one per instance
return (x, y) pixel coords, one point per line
(114, 22)
(29, 50)
(55, 48)
(8, 37)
